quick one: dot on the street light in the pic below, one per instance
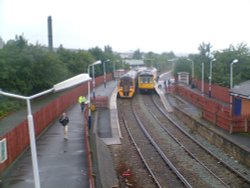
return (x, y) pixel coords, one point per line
(114, 70)
(60, 86)
(93, 80)
(173, 63)
(231, 83)
(231, 72)
(104, 71)
(202, 78)
(192, 67)
(210, 76)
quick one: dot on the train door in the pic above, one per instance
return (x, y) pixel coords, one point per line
(237, 106)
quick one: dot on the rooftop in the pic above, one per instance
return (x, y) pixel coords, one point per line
(242, 90)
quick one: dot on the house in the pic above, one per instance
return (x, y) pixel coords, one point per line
(241, 99)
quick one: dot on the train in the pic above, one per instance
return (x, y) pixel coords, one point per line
(147, 80)
(142, 79)
(127, 84)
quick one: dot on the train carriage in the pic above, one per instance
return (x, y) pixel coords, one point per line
(127, 84)
(147, 80)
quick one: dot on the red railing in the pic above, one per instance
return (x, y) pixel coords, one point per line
(18, 138)
(215, 111)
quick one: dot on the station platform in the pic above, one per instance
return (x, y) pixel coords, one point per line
(240, 139)
(64, 163)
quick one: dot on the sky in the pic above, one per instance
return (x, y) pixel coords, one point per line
(127, 25)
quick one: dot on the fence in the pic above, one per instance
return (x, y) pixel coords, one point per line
(214, 111)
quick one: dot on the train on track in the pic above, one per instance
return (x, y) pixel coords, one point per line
(142, 79)
(127, 84)
(147, 80)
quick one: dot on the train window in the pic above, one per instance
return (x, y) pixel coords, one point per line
(146, 80)
(126, 82)
(121, 83)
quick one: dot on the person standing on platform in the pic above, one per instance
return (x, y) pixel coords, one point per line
(81, 102)
(64, 120)
(84, 102)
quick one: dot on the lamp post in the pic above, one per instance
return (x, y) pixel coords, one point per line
(210, 76)
(93, 80)
(104, 71)
(60, 86)
(173, 63)
(202, 78)
(231, 83)
(192, 67)
(231, 72)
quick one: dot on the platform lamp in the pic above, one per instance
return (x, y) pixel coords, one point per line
(231, 83)
(192, 67)
(60, 86)
(210, 77)
(231, 72)
(104, 71)
(93, 80)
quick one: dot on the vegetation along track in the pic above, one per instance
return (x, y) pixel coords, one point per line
(203, 159)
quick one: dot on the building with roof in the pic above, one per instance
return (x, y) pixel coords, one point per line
(241, 99)
(135, 62)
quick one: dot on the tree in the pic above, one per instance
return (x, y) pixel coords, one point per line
(182, 65)
(204, 48)
(1, 43)
(108, 49)
(34, 67)
(225, 57)
(137, 54)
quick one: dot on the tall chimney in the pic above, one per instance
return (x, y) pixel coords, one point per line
(50, 37)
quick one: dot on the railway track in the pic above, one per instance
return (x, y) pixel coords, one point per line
(151, 125)
(156, 163)
(218, 168)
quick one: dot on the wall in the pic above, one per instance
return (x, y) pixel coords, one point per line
(240, 153)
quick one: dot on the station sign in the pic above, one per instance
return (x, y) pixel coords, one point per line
(3, 150)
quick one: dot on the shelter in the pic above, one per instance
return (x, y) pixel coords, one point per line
(241, 99)
(183, 77)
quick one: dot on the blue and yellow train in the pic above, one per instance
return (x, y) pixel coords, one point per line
(142, 79)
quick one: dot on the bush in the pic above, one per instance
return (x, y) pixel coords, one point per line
(9, 105)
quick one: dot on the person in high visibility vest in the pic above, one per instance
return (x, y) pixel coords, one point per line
(82, 100)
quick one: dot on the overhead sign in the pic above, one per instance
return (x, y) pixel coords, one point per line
(3, 150)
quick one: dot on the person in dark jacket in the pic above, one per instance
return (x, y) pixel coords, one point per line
(64, 120)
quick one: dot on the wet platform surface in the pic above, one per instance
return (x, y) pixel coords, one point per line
(61, 163)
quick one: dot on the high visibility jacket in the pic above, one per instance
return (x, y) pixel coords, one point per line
(84, 99)
(80, 99)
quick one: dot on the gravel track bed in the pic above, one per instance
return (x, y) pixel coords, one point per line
(195, 173)
(213, 164)
(215, 150)
(126, 157)
(163, 173)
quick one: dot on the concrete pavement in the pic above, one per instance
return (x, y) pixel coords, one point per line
(61, 163)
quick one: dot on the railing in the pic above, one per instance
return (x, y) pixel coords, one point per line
(214, 111)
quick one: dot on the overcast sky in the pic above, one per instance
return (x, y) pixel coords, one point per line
(149, 25)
